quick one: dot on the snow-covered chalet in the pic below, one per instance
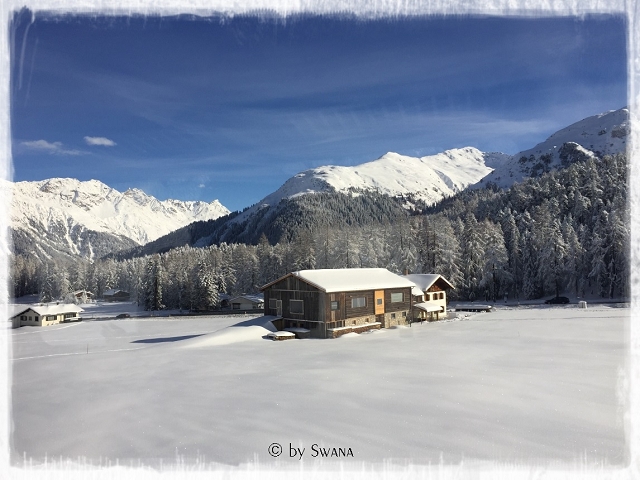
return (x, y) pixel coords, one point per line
(332, 302)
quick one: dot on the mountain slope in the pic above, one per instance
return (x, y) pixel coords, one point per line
(73, 216)
(598, 135)
(283, 222)
(428, 179)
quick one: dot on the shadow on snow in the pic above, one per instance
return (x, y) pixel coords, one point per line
(166, 339)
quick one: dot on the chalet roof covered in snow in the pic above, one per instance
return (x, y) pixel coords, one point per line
(49, 309)
(424, 281)
(416, 292)
(352, 279)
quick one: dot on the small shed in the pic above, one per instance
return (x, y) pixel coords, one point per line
(116, 295)
(83, 295)
(247, 302)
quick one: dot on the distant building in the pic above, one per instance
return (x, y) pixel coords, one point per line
(247, 302)
(43, 315)
(332, 302)
(83, 295)
(116, 295)
(430, 296)
(224, 300)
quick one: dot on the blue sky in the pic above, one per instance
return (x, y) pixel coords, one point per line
(228, 109)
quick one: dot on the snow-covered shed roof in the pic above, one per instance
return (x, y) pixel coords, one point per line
(49, 309)
(350, 279)
(425, 280)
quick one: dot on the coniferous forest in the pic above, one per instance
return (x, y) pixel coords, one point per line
(562, 232)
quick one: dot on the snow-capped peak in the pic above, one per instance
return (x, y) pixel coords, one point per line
(428, 178)
(69, 203)
(602, 134)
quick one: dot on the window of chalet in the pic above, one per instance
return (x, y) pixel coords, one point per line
(358, 302)
(441, 295)
(272, 303)
(428, 296)
(378, 301)
(393, 316)
(51, 317)
(296, 307)
(334, 306)
(397, 297)
(404, 314)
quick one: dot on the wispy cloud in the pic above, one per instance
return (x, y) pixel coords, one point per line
(101, 141)
(52, 148)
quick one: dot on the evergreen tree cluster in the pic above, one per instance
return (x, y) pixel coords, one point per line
(565, 231)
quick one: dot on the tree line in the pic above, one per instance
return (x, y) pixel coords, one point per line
(565, 231)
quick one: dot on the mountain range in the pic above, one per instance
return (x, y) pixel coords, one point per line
(91, 219)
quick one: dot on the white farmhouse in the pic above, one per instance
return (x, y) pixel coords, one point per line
(430, 296)
(43, 315)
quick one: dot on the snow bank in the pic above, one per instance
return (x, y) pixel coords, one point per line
(253, 329)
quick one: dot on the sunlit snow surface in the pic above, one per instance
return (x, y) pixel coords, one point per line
(529, 385)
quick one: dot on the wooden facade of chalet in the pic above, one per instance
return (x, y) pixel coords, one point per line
(330, 303)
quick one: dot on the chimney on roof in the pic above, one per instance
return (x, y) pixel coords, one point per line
(406, 271)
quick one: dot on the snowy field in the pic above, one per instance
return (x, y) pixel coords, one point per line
(529, 386)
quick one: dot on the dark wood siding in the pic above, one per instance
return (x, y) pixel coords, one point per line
(292, 288)
(293, 283)
(397, 306)
(340, 313)
(368, 309)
